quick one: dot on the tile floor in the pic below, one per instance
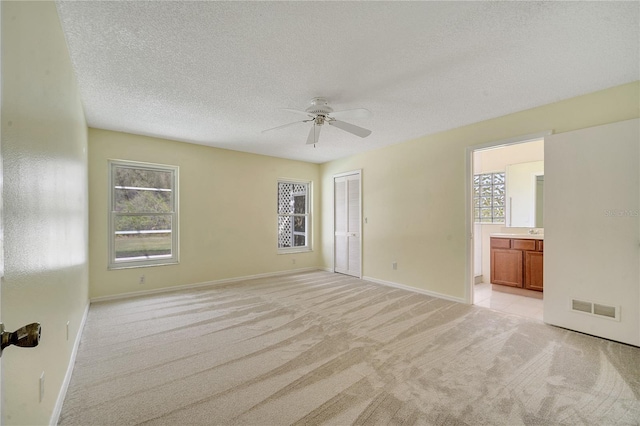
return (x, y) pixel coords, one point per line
(505, 302)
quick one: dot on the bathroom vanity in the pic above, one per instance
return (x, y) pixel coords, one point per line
(517, 261)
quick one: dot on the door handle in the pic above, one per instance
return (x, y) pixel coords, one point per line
(26, 337)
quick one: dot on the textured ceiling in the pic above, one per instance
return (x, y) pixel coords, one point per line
(217, 73)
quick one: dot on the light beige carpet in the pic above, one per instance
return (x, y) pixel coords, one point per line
(322, 348)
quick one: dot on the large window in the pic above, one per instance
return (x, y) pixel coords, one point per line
(293, 216)
(143, 209)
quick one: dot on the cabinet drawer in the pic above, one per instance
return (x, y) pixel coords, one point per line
(529, 245)
(540, 245)
(500, 243)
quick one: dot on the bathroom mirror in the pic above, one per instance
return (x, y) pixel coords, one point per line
(525, 195)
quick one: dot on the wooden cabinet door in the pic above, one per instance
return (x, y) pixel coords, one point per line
(533, 270)
(507, 267)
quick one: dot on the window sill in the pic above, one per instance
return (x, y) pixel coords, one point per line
(291, 251)
(141, 265)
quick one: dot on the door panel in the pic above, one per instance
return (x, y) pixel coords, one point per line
(592, 228)
(340, 240)
(347, 222)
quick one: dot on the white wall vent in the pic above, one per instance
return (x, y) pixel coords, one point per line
(579, 305)
(596, 309)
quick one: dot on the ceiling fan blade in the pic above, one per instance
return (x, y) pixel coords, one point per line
(284, 125)
(351, 128)
(314, 134)
(352, 113)
(297, 111)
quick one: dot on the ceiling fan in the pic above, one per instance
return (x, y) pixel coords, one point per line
(319, 113)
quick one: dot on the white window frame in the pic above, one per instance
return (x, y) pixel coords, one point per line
(307, 215)
(143, 261)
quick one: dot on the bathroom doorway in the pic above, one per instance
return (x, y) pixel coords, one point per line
(506, 181)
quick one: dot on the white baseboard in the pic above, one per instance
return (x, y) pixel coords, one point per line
(57, 409)
(416, 290)
(198, 285)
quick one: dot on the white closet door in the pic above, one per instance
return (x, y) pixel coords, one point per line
(341, 252)
(347, 224)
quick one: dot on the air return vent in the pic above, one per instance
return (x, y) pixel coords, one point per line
(596, 309)
(579, 305)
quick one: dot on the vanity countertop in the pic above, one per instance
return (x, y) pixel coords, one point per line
(520, 236)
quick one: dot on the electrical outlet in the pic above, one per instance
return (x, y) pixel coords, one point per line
(41, 397)
(142, 279)
(293, 261)
(67, 330)
(394, 265)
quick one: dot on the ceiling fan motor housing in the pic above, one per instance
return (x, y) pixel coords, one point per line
(319, 106)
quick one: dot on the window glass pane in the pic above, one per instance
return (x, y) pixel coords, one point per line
(142, 178)
(292, 198)
(300, 204)
(142, 190)
(142, 246)
(142, 236)
(133, 224)
(299, 241)
(299, 224)
(142, 200)
(485, 214)
(285, 198)
(284, 231)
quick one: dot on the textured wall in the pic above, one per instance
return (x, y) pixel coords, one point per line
(414, 192)
(44, 148)
(228, 205)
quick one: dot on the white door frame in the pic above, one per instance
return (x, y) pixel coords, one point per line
(468, 204)
(1, 223)
(333, 189)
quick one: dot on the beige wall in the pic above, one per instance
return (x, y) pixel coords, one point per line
(228, 222)
(44, 142)
(414, 192)
(497, 159)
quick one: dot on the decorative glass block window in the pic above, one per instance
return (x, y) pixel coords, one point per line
(143, 214)
(489, 197)
(293, 216)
